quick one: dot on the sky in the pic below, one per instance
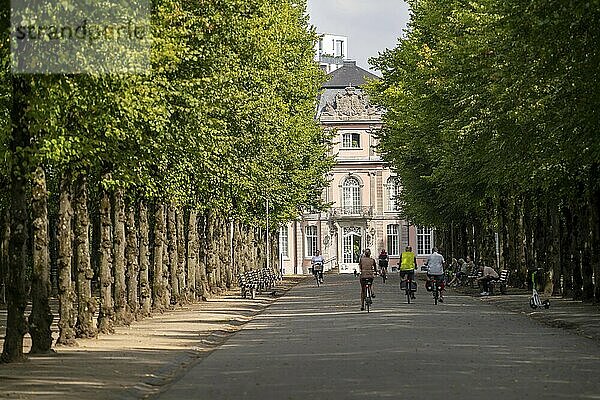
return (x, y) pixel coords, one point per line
(370, 25)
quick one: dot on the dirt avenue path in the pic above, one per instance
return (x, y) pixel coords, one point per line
(137, 360)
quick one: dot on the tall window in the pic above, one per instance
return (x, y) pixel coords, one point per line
(311, 240)
(351, 195)
(351, 140)
(424, 241)
(393, 240)
(339, 48)
(283, 241)
(392, 193)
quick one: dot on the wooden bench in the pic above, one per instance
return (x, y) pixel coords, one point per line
(501, 282)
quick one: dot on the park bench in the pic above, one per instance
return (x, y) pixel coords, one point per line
(248, 287)
(257, 281)
(472, 278)
(501, 282)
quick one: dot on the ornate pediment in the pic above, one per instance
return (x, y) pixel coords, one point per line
(349, 104)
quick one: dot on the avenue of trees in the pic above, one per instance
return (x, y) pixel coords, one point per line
(492, 123)
(125, 194)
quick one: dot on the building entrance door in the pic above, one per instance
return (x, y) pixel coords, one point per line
(351, 248)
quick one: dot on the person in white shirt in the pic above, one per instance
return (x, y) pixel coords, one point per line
(317, 265)
(435, 269)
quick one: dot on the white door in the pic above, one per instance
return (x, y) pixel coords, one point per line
(351, 248)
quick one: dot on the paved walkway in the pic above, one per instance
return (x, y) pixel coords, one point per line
(295, 349)
(314, 343)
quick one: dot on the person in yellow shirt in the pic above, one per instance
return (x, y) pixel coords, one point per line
(408, 263)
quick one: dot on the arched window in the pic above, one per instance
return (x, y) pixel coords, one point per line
(392, 187)
(351, 195)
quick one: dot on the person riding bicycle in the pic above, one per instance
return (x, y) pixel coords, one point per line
(408, 263)
(317, 265)
(383, 263)
(435, 270)
(367, 268)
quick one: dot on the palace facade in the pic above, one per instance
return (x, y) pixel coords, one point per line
(362, 190)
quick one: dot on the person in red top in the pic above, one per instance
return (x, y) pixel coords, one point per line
(367, 267)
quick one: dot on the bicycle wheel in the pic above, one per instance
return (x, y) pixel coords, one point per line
(317, 279)
(408, 293)
(436, 293)
(368, 298)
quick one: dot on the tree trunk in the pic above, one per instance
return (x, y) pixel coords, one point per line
(566, 253)
(225, 259)
(181, 273)
(238, 268)
(172, 250)
(106, 317)
(66, 294)
(86, 305)
(122, 312)
(202, 289)
(595, 232)
(4, 242)
(192, 256)
(553, 260)
(16, 279)
(160, 301)
(577, 245)
(145, 288)
(40, 318)
(212, 269)
(132, 257)
(586, 257)
(520, 244)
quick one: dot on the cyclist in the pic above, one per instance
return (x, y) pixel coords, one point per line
(435, 270)
(367, 268)
(408, 263)
(383, 263)
(317, 265)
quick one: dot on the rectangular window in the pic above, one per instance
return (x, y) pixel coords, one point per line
(283, 241)
(311, 240)
(424, 241)
(351, 140)
(393, 240)
(339, 48)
